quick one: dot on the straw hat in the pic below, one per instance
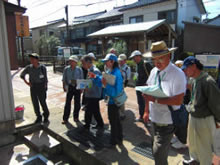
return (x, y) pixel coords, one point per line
(158, 49)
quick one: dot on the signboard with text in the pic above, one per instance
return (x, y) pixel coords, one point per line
(209, 60)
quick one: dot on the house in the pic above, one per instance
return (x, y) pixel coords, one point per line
(137, 36)
(174, 11)
(87, 24)
(214, 21)
(7, 114)
(49, 29)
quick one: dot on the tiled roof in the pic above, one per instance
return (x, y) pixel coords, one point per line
(142, 3)
(87, 18)
(112, 13)
(128, 28)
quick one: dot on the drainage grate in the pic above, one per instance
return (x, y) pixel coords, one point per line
(96, 139)
(144, 149)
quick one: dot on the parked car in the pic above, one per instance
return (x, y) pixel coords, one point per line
(63, 53)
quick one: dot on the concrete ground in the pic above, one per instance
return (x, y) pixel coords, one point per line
(134, 132)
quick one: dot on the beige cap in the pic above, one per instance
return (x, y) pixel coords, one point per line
(92, 55)
(122, 57)
(34, 55)
(74, 58)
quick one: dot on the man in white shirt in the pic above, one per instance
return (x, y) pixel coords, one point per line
(172, 81)
(126, 74)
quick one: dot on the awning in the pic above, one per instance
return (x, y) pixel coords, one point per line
(128, 29)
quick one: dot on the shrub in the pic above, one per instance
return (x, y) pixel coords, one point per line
(100, 65)
(132, 65)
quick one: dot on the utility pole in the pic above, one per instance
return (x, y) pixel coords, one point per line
(67, 24)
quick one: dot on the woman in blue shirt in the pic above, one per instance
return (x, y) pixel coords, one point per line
(111, 91)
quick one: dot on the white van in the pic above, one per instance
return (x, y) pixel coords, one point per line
(63, 53)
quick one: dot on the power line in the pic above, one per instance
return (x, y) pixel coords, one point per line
(49, 14)
(89, 4)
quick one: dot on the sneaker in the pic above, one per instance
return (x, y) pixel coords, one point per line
(174, 140)
(64, 122)
(178, 145)
(190, 162)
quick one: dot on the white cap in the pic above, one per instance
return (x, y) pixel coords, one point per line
(179, 62)
(135, 53)
(74, 58)
(122, 57)
(92, 55)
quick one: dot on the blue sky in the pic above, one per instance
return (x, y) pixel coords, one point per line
(212, 7)
(41, 11)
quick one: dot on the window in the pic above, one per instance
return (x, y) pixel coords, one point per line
(79, 33)
(51, 33)
(170, 16)
(136, 19)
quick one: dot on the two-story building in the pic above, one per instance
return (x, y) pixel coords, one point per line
(174, 11)
(49, 29)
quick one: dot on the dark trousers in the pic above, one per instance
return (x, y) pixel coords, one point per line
(116, 127)
(181, 133)
(162, 136)
(141, 103)
(72, 91)
(83, 99)
(38, 94)
(92, 108)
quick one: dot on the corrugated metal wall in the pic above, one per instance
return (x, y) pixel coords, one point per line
(6, 94)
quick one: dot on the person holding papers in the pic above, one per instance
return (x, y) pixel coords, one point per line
(92, 96)
(112, 91)
(70, 75)
(171, 80)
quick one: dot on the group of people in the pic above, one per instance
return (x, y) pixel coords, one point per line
(203, 106)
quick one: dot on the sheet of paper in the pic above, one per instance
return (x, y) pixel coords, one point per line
(153, 90)
(83, 83)
(109, 78)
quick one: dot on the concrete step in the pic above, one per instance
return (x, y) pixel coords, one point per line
(41, 141)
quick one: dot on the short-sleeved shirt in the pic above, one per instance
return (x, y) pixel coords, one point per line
(36, 75)
(173, 82)
(126, 72)
(70, 74)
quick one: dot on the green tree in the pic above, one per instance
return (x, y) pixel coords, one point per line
(48, 45)
(120, 46)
